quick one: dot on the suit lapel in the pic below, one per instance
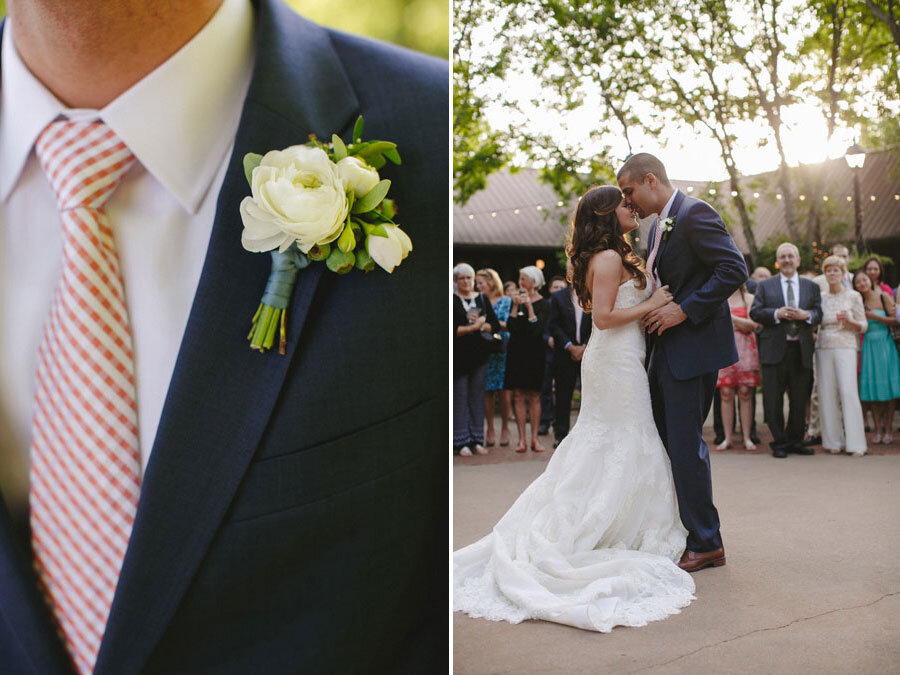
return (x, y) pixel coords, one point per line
(676, 205)
(222, 393)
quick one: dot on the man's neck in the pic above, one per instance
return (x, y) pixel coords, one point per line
(789, 276)
(664, 199)
(88, 52)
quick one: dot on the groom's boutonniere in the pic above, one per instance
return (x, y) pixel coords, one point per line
(667, 226)
(318, 202)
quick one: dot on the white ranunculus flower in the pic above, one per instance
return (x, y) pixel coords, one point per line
(389, 251)
(298, 195)
(357, 175)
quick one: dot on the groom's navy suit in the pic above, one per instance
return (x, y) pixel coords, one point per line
(292, 516)
(702, 267)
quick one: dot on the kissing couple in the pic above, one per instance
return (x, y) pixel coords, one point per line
(607, 535)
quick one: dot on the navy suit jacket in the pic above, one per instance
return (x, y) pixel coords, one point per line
(772, 339)
(561, 324)
(702, 267)
(293, 514)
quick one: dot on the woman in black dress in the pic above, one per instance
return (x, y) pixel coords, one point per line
(525, 353)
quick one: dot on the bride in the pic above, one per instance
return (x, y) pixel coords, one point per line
(593, 542)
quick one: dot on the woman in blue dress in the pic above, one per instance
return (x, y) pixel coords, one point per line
(879, 377)
(488, 282)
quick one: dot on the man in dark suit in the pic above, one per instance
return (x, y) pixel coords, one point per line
(570, 327)
(691, 252)
(292, 514)
(788, 306)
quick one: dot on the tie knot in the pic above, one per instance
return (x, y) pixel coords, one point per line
(84, 162)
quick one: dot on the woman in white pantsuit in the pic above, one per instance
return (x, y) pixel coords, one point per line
(843, 319)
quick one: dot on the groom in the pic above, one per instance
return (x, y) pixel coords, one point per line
(291, 517)
(691, 252)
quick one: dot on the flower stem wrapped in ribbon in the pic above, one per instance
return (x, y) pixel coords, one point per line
(313, 203)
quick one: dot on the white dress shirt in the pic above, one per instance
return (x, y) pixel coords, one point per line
(795, 282)
(665, 210)
(180, 122)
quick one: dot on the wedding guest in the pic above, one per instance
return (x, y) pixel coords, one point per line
(759, 274)
(488, 282)
(879, 379)
(525, 354)
(842, 252)
(548, 389)
(875, 270)
(472, 315)
(510, 289)
(787, 306)
(742, 376)
(843, 319)
(570, 327)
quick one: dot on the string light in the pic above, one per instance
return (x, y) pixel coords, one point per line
(559, 203)
(516, 211)
(849, 198)
(539, 264)
(802, 198)
(471, 217)
(539, 207)
(896, 197)
(493, 214)
(690, 188)
(778, 196)
(872, 198)
(734, 193)
(712, 191)
(755, 195)
(824, 198)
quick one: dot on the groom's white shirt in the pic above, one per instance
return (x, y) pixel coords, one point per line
(665, 210)
(663, 214)
(181, 129)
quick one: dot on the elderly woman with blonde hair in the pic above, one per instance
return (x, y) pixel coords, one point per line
(525, 354)
(843, 319)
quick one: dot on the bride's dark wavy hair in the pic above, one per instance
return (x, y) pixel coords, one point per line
(596, 228)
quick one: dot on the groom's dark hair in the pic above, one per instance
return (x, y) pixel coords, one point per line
(641, 164)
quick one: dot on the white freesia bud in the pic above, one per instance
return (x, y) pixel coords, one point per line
(389, 251)
(357, 175)
(298, 195)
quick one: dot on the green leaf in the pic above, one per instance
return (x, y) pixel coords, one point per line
(251, 161)
(388, 209)
(347, 241)
(373, 197)
(340, 262)
(376, 230)
(340, 150)
(358, 129)
(393, 155)
(379, 217)
(376, 162)
(376, 148)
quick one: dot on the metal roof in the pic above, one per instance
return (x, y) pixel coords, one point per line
(517, 209)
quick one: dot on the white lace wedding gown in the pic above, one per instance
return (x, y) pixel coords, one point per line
(593, 541)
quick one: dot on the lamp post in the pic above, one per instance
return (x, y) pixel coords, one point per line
(856, 157)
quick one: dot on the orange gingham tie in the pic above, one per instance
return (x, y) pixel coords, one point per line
(657, 238)
(85, 466)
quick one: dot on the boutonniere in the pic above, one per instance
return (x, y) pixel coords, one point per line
(667, 226)
(318, 203)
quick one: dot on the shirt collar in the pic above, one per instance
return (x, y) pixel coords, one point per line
(179, 126)
(665, 210)
(787, 278)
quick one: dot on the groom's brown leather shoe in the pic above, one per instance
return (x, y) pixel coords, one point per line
(692, 561)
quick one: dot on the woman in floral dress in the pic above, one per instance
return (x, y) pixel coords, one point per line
(488, 282)
(742, 376)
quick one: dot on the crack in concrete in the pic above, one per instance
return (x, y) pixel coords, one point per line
(763, 630)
